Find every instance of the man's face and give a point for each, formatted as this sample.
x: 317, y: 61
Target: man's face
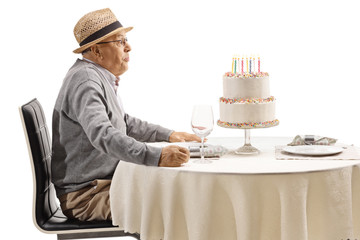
x: 115, y: 55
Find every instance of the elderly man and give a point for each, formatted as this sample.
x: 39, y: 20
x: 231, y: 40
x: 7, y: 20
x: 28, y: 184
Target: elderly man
x: 92, y: 132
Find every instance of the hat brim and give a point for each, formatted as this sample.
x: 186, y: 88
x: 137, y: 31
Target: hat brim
x: 82, y: 48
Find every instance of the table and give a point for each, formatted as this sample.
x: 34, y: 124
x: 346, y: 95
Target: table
x: 240, y: 197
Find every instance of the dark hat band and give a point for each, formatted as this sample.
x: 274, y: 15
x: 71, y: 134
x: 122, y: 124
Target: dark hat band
x: 102, y: 32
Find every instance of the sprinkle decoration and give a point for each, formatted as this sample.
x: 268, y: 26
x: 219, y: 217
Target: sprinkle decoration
x: 246, y: 75
x: 249, y: 124
x: 247, y: 100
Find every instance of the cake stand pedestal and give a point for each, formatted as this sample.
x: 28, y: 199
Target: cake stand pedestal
x: 247, y: 148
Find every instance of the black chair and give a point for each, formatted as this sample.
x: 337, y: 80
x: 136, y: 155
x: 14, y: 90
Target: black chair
x: 47, y: 214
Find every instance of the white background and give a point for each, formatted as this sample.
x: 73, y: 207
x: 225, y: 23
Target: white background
x: 180, y: 50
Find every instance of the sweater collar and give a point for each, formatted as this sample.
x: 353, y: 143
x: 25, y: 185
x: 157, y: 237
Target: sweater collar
x: 106, y: 73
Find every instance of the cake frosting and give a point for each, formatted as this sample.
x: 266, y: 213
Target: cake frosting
x: 246, y: 101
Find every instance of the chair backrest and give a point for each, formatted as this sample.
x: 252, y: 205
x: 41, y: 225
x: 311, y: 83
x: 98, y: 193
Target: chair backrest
x: 39, y: 145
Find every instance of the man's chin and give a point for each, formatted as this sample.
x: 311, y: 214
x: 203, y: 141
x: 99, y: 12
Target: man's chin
x: 122, y: 71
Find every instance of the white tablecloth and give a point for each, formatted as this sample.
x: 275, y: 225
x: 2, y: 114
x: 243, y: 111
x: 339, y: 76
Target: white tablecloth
x: 240, y: 197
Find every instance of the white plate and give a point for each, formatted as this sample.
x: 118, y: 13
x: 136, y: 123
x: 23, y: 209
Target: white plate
x: 313, y: 150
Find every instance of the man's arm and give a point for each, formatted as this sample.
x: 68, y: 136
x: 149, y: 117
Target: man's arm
x: 144, y: 131
x: 89, y: 107
x: 147, y: 132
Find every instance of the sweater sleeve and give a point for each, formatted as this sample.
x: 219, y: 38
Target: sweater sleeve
x: 89, y: 106
x: 146, y: 132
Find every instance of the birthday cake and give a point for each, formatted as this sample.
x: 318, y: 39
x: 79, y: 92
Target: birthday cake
x: 246, y: 101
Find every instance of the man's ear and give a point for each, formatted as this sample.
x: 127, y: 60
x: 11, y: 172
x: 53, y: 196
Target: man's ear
x: 96, y: 51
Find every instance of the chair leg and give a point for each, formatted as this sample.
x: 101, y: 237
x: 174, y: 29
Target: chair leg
x: 97, y: 235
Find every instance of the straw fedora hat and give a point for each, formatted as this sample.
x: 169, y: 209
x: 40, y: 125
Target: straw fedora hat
x: 95, y: 27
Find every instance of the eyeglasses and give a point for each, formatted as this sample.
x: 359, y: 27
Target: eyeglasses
x: 117, y: 42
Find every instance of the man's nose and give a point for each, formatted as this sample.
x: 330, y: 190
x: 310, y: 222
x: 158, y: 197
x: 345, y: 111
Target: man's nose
x: 127, y: 47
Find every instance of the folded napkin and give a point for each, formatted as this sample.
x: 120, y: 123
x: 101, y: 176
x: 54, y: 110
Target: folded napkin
x: 210, y: 151
x: 312, y: 140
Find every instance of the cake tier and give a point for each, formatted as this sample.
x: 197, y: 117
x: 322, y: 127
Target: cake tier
x: 245, y: 85
x: 243, y: 110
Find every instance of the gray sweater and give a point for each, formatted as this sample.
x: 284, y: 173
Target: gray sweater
x: 90, y: 135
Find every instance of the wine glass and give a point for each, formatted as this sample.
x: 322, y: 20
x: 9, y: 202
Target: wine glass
x: 202, y: 123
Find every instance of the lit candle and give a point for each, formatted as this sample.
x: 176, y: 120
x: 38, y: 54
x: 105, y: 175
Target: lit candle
x: 250, y: 65
x: 238, y: 64
x: 235, y: 65
x: 242, y: 65
x: 232, y: 66
x: 254, y: 63
x: 247, y: 64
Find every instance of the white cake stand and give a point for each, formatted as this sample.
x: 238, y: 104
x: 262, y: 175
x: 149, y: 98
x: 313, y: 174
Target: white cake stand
x: 247, y: 148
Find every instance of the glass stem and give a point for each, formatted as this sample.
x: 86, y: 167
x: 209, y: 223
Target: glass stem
x: 202, y: 148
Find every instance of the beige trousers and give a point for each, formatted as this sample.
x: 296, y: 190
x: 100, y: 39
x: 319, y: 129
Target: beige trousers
x: 89, y: 203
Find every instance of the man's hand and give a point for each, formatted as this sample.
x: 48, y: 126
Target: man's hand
x: 173, y: 156
x: 183, y: 137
